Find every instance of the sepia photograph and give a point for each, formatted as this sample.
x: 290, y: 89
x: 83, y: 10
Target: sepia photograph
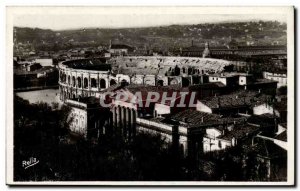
x: 193, y: 96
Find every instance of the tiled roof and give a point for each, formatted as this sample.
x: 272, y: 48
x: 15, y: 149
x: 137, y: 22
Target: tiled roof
x: 196, y: 118
x: 240, y: 131
x: 237, y: 99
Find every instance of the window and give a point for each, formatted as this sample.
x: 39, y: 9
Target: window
x: 93, y: 83
x: 102, y: 83
x: 85, y: 83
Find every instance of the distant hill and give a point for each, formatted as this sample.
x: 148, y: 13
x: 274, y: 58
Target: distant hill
x: 165, y: 37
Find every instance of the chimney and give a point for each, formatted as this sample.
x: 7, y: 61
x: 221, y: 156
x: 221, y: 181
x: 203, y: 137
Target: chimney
x: 259, y: 90
x: 202, y: 119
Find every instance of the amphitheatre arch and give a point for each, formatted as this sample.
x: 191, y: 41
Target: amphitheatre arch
x: 102, y: 83
x: 73, y: 81
x: 93, y: 83
x: 112, y: 82
x: 124, y: 82
x: 185, y: 82
x: 85, y: 83
x: 160, y: 82
x: 79, y: 82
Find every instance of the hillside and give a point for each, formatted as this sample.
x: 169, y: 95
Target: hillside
x: 166, y: 37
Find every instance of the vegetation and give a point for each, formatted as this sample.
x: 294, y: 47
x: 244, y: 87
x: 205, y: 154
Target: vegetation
x: 40, y: 131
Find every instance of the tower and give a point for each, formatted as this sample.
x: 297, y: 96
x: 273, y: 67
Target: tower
x: 206, y: 51
x: 110, y: 43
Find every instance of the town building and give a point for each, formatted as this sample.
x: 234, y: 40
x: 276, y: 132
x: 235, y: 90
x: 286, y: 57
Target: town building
x: 279, y: 76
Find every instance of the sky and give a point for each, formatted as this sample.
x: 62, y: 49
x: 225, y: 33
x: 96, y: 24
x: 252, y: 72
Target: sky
x: 77, y: 21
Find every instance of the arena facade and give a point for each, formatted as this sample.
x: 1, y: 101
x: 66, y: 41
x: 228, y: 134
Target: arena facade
x: 89, y: 77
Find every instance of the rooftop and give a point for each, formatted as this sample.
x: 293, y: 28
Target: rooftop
x: 236, y: 99
x: 240, y: 132
x: 193, y: 118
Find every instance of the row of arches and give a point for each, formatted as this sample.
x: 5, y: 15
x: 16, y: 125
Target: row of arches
x: 176, y: 71
x: 80, y: 82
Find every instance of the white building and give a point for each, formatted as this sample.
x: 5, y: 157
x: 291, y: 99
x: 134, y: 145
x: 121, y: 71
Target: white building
x: 280, y: 77
x: 44, y: 61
